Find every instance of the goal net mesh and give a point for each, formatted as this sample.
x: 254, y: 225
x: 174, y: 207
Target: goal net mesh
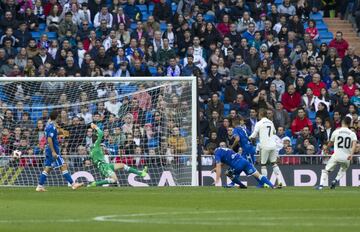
x: 145, y: 123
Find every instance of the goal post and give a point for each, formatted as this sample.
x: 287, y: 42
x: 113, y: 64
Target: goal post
x: 147, y: 121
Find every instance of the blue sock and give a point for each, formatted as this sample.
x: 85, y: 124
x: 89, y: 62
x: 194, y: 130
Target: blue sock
x: 67, y: 176
x: 264, y: 180
x: 42, y: 178
x: 236, y: 180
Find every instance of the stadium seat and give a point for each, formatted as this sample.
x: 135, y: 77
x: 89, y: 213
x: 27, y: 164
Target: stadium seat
x: 143, y: 8
x: 227, y: 107
x: 145, y: 16
x: 35, y: 34
x: 327, y: 41
x: 173, y: 7
x: 152, y: 70
x: 163, y: 26
x: 316, y: 16
x: 151, y: 8
x: 133, y: 26
x: 42, y: 26
x: 278, y: 2
x: 52, y: 35
x: 312, y: 115
x: 125, y: 89
x: 326, y: 35
x: 148, y: 117
x: 209, y: 18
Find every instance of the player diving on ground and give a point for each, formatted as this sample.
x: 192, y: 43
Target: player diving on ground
x: 106, y: 169
x: 238, y: 164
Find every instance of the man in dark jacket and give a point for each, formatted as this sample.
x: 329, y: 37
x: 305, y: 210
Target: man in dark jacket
x: 22, y: 35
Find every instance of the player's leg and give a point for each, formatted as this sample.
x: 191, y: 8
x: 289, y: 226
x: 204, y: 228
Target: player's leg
x: 273, y: 160
x: 342, y: 171
x: 249, y: 169
x: 264, y: 157
x: 111, y: 179
x: 119, y: 166
x: 42, y: 179
x: 235, y: 178
x: 66, y: 173
x: 330, y: 166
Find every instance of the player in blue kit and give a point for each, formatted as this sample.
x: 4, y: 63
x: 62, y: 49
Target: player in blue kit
x: 242, y: 138
x: 238, y: 164
x: 53, y: 158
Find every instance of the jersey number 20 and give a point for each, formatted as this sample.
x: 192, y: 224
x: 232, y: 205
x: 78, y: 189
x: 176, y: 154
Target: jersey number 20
x: 344, y: 142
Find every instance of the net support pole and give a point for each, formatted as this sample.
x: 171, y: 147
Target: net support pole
x: 194, y: 155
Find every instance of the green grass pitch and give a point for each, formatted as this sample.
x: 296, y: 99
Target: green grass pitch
x: 179, y: 209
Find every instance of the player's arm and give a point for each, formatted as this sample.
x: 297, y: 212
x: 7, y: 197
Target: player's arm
x: 353, y: 148
x: 51, y: 145
x: 100, y: 134
x: 218, y: 173
x: 255, y: 132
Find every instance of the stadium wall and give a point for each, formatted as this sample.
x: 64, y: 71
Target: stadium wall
x: 293, y: 175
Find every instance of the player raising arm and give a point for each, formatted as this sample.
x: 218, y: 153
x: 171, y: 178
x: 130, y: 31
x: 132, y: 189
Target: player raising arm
x: 53, y: 158
x: 265, y: 130
x: 106, y: 169
x: 238, y: 164
x: 344, y: 141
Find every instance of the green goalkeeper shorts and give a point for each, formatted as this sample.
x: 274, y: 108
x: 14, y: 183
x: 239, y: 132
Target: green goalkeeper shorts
x: 106, y: 170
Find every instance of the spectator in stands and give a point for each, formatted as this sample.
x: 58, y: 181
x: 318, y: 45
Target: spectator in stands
x: 232, y: 90
x: 281, y: 117
x: 162, y: 12
x: 350, y: 87
x: 240, y: 70
x: 300, y: 121
x: 340, y: 44
x: 343, y: 105
x: 133, y: 11
x: 304, y: 140
x: 291, y: 99
x: 177, y: 142
x: 286, y: 8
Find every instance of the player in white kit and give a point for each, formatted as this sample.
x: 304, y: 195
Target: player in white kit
x: 265, y: 130
x: 344, y: 141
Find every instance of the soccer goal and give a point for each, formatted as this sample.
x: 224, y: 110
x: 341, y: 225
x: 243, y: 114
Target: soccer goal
x: 147, y: 121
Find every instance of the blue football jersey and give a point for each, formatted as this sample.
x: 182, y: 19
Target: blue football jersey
x: 244, y: 142
x: 51, y: 132
x: 233, y: 160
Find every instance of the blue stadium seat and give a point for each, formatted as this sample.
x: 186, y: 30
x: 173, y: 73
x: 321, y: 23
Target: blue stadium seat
x: 125, y: 89
x: 278, y: 2
x: 209, y: 18
x: 143, y: 8
x: 42, y: 26
x: 163, y: 26
x: 152, y: 70
x: 173, y: 7
x: 326, y: 35
x: 327, y: 41
x: 148, y: 117
x: 151, y: 8
x: 52, y: 35
x: 145, y: 16
x: 35, y: 34
x: 316, y: 16
x: 227, y: 107
x: 312, y: 115
x: 133, y: 26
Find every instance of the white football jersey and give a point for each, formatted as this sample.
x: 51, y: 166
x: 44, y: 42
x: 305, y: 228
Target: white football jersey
x: 343, y: 139
x: 265, y: 129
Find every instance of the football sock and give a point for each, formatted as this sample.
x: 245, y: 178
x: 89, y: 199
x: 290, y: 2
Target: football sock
x: 264, y: 171
x: 264, y: 180
x: 276, y: 171
x: 340, y: 174
x: 67, y: 176
x: 102, y: 182
x: 324, y: 177
x: 132, y: 170
x: 42, y: 178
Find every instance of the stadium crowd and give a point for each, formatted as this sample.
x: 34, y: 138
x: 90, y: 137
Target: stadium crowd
x: 246, y: 55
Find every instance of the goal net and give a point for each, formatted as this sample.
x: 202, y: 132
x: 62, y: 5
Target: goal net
x: 146, y: 122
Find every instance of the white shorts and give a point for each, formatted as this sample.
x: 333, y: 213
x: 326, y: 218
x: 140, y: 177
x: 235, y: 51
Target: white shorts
x: 330, y: 166
x: 268, y: 155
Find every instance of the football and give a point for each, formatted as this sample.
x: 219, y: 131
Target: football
x: 16, y: 154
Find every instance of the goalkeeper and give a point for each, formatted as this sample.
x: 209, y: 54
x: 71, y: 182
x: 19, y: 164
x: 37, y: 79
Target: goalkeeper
x: 106, y: 169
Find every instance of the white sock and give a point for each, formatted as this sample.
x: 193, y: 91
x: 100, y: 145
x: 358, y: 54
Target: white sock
x: 276, y: 171
x: 264, y: 171
x: 126, y: 168
x: 340, y: 174
x: 324, y: 177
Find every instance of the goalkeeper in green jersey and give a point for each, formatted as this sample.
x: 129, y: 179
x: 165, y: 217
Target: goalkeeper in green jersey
x: 106, y: 169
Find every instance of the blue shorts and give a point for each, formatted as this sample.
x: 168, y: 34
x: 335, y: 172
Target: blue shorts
x: 245, y: 166
x: 51, y: 162
x: 249, y: 154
